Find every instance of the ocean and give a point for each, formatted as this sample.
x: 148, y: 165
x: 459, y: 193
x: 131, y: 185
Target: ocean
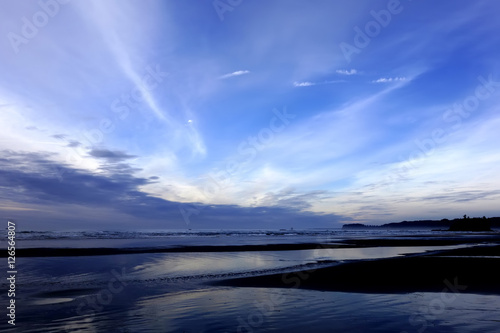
x: 170, y: 281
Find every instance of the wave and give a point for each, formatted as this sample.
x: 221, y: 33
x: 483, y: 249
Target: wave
x: 148, y: 234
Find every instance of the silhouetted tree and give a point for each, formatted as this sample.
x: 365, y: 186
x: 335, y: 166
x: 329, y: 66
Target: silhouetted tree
x: 471, y: 224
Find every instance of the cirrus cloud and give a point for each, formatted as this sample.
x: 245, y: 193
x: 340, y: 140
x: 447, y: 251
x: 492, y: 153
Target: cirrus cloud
x: 233, y: 74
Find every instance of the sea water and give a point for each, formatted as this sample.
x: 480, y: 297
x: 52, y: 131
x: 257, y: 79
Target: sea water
x: 172, y: 292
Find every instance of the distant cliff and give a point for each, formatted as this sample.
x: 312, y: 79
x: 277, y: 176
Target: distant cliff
x: 470, y: 224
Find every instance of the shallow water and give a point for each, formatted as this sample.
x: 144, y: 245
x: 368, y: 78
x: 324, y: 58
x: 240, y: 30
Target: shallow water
x: 170, y: 292
x: 278, y: 310
x: 92, y: 270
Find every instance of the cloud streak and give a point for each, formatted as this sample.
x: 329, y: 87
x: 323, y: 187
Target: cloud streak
x: 303, y: 84
x: 389, y: 79
x: 309, y: 84
x: 346, y: 72
x: 233, y: 74
x: 110, y: 156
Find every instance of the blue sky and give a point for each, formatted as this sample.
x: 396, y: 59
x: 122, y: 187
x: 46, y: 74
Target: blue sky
x: 247, y: 114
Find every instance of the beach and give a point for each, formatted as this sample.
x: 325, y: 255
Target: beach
x: 464, y: 270
x: 259, y: 282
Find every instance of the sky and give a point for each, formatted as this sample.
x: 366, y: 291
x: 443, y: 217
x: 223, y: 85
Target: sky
x: 247, y: 114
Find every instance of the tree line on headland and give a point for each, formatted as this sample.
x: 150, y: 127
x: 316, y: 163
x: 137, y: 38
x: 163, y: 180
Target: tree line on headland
x: 459, y: 224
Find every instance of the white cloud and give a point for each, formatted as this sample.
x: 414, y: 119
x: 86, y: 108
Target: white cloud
x: 303, y: 84
x: 308, y: 83
x: 389, y: 79
x: 237, y: 73
x: 346, y: 72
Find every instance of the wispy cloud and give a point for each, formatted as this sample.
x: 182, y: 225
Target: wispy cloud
x: 126, y: 47
x: 346, y: 72
x: 73, y: 144
x: 109, y: 155
x: 303, y: 84
x: 320, y: 140
x: 389, y: 79
x: 290, y: 198
x: 97, y: 14
x: 309, y: 84
x: 236, y: 73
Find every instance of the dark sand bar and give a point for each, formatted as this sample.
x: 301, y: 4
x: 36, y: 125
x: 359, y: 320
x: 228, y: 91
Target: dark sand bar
x: 99, y: 251
x: 469, y: 270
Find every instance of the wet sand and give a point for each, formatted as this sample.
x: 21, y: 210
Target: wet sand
x: 468, y: 270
